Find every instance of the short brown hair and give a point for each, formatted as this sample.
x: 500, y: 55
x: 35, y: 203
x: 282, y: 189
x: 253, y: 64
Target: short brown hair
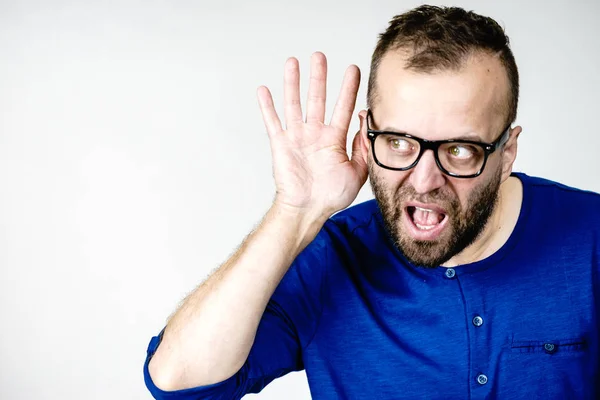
x: 441, y: 38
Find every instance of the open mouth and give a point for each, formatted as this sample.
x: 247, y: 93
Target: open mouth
x: 425, y: 223
x: 425, y: 219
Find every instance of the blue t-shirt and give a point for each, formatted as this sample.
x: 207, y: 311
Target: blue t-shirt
x: 366, y: 324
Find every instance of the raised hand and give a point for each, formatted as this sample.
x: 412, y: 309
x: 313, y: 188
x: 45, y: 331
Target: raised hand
x: 312, y: 171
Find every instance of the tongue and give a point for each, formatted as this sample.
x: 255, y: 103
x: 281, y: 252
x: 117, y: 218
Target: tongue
x: 426, y: 217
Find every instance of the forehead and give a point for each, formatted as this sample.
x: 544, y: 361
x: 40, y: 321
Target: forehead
x: 442, y: 104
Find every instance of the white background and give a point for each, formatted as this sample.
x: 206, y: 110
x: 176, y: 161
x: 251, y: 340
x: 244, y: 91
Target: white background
x: 133, y: 158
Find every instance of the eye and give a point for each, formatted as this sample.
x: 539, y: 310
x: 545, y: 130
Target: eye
x: 461, y: 151
x: 400, y: 144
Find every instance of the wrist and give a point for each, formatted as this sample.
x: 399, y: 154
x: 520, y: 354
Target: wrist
x: 302, y: 223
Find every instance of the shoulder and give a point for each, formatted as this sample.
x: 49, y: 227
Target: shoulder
x: 354, y: 219
x: 337, y: 231
x: 339, y: 234
x: 561, y: 189
x: 566, y: 204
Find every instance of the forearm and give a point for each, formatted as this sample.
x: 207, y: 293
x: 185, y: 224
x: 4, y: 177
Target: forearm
x: 209, y: 338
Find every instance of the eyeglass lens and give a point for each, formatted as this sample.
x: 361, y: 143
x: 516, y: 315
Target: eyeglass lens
x: 458, y: 158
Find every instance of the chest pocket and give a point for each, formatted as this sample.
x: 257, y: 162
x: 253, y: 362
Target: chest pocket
x: 549, y: 347
x: 547, y: 369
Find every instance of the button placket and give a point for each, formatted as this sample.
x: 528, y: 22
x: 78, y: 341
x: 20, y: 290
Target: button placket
x: 476, y: 311
x: 482, y: 379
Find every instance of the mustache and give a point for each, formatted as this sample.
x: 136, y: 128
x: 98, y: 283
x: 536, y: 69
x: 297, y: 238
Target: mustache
x: 445, y: 200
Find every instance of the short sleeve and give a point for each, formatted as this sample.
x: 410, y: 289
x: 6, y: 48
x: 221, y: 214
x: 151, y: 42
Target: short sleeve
x: 286, y: 328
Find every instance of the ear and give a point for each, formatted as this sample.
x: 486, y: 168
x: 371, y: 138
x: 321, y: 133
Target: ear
x: 509, y: 152
x: 365, y: 142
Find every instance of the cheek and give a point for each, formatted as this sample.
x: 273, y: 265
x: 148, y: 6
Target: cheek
x: 470, y: 190
x: 460, y: 189
x: 388, y: 180
x: 395, y: 181
x: 494, y: 163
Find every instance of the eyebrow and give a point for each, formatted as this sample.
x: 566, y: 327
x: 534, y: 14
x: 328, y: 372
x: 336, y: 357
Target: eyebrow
x: 468, y: 136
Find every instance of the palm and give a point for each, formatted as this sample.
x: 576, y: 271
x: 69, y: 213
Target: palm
x: 311, y: 167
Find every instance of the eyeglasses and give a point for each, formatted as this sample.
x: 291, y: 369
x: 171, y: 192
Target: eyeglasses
x: 457, y: 158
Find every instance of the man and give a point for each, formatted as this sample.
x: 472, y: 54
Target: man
x: 461, y: 280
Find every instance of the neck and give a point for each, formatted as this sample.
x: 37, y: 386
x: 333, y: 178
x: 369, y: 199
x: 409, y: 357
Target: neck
x: 499, y: 227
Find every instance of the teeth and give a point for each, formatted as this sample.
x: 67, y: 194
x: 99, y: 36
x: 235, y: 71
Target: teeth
x: 425, y: 227
x: 423, y: 209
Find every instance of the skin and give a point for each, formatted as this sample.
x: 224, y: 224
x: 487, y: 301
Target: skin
x: 444, y: 105
x: 210, y: 335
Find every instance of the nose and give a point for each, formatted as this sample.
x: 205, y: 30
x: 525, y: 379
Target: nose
x: 426, y: 176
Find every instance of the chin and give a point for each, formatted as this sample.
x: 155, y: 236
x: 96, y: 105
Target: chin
x: 424, y: 253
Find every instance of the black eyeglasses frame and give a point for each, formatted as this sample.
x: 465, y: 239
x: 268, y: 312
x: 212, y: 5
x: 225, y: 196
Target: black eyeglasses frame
x: 433, y: 145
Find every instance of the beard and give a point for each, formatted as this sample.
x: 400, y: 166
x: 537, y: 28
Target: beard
x: 463, y: 226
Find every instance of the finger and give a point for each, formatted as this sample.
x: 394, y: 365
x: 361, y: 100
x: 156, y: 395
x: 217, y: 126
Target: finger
x: 267, y: 108
x: 344, y: 106
x: 317, y: 89
x: 291, y: 92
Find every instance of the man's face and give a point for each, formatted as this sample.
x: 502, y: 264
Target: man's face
x: 432, y: 216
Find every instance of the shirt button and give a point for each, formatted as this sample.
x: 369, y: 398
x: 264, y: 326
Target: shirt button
x: 477, y: 320
x: 482, y: 379
x: 549, y: 348
x: 450, y: 273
